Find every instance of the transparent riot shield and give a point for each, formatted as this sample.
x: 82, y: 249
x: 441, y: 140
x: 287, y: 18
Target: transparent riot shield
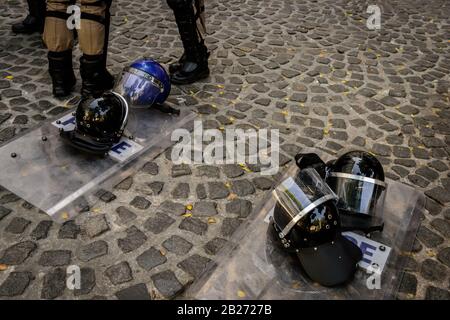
x: 253, y: 266
x: 62, y: 181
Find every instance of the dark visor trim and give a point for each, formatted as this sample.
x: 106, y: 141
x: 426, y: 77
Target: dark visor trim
x: 356, y: 177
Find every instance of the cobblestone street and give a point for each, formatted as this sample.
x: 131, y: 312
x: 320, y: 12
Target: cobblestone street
x: 309, y: 68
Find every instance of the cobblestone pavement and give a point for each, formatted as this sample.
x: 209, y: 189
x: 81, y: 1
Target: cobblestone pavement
x: 308, y: 68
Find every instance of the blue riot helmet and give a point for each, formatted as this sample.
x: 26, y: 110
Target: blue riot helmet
x: 144, y: 83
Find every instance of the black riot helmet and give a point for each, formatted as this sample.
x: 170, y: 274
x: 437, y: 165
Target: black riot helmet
x: 307, y: 223
x: 100, y: 123
x: 357, y: 178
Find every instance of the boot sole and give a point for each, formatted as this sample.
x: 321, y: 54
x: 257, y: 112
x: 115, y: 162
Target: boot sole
x: 65, y: 93
x: 203, y: 75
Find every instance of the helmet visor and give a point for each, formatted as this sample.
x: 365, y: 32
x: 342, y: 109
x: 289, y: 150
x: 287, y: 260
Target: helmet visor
x: 358, y: 194
x: 139, y: 88
x: 301, y: 195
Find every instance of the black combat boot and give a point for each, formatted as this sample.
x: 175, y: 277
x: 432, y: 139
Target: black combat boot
x: 193, y: 65
x: 96, y: 78
x: 176, y: 66
x: 34, y: 22
x: 61, y: 72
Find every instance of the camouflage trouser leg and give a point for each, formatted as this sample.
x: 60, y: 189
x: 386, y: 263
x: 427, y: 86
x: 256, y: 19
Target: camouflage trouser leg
x: 57, y: 36
x: 92, y: 32
x: 94, y: 22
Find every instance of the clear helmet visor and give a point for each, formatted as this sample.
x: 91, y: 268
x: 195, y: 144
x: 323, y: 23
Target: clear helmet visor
x: 358, y: 194
x: 138, y: 88
x: 299, y: 195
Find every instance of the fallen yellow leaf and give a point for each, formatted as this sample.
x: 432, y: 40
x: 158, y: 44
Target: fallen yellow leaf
x: 241, y: 294
x: 296, y: 285
x: 187, y: 215
x: 3, y: 267
x: 232, y: 196
x: 431, y: 253
x: 189, y: 207
x: 9, y: 77
x: 163, y: 253
x: 211, y: 220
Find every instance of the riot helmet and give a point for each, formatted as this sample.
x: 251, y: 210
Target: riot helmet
x: 357, y: 178
x: 307, y: 223
x: 99, y: 123
x: 144, y: 83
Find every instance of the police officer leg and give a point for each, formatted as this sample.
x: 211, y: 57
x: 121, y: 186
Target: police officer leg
x: 93, y: 40
x: 193, y: 65
x: 200, y: 7
x: 59, y: 41
x: 34, y: 22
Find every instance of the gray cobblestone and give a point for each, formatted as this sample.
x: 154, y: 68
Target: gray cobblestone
x: 434, y: 293
x: 195, y: 265
x: 96, y: 225
x: 93, y: 250
x: 17, y: 225
x: 242, y: 187
x: 217, y: 190
x: 194, y: 225
x: 150, y: 259
x: 119, y: 273
x: 136, y: 292
x: 159, y: 223
x: 16, y: 284
x: 177, y: 245
x: 54, y: 284
x: 125, y: 214
x: 88, y: 281
x: 134, y: 239
x: 167, y: 283
x: 55, y: 258
x: 69, y: 230
x: 204, y: 209
x: 433, y: 271
x: 41, y: 230
x: 18, y: 253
